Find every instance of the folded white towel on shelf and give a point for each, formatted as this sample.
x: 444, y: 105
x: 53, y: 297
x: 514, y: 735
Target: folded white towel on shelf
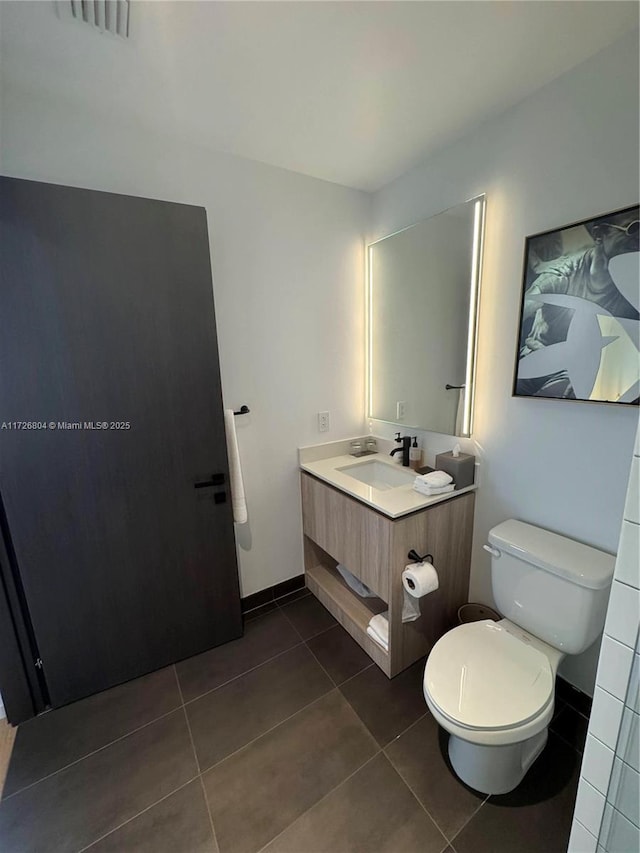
x: 428, y: 491
x: 435, y: 478
x: 377, y: 639
x: 379, y: 628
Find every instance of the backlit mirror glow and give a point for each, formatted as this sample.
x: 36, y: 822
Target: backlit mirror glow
x: 423, y: 289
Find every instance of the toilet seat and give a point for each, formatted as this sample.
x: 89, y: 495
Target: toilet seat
x: 481, y: 678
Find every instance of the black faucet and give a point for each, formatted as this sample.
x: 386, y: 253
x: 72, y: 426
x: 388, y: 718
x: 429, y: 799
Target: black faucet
x: 406, y: 444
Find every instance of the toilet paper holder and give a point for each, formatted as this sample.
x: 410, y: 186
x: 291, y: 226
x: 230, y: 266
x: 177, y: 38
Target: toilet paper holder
x: 416, y: 558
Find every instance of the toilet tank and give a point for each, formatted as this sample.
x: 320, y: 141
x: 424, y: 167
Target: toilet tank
x: 553, y: 587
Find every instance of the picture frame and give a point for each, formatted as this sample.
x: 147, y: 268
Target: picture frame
x: 579, y: 325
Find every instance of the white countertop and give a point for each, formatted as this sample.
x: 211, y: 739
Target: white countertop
x: 393, y: 502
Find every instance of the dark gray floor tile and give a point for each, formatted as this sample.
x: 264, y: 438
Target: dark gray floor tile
x: 340, y: 655
x: 259, y: 791
x: 372, y: 811
x: 420, y: 757
x: 51, y: 741
x: 308, y: 616
x: 178, y: 824
x: 387, y: 707
x: 536, y: 817
x: 228, y: 718
x: 571, y: 726
x: 263, y: 638
x: 78, y: 805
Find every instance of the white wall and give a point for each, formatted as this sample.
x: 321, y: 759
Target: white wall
x: 567, y: 152
x: 287, y: 258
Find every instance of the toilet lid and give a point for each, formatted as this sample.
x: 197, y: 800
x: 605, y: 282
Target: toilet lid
x: 481, y: 676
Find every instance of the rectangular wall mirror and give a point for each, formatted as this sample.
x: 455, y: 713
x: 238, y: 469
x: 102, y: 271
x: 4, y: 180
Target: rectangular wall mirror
x: 423, y: 288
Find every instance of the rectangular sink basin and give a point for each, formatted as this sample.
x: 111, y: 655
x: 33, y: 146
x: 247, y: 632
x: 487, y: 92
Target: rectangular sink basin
x: 378, y: 475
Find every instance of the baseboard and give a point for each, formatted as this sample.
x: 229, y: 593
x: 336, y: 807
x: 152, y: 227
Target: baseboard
x: 264, y: 596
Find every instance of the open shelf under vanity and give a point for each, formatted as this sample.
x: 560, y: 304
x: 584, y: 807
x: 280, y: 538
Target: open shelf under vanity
x: 351, y: 611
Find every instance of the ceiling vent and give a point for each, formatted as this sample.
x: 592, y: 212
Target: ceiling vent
x: 107, y: 16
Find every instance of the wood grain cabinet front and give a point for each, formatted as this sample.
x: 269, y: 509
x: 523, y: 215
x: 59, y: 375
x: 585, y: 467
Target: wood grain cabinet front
x: 340, y: 529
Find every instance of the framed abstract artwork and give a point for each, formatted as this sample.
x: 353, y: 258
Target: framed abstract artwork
x: 579, y: 331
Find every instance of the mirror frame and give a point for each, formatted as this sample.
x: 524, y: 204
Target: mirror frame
x: 479, y: 216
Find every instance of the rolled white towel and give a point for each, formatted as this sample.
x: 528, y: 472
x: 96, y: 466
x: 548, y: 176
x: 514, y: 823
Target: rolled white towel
x: 379, y: 624
x: 378, y: 639
x: 429, y: 491
x: 435, y: 478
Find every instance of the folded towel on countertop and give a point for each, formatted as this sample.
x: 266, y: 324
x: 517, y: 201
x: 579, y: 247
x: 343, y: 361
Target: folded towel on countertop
x: 435, y: 479
x: 429, y: 491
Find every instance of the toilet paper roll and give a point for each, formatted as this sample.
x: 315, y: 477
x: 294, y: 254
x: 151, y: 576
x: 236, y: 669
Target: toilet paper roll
x: 420, y: 579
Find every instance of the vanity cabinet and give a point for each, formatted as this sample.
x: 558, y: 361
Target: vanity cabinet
x: 340, y: 529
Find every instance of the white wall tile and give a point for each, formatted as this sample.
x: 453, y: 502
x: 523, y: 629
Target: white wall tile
x: 624, y: 791
x: 618, y: 835
x: 628, y: 561
x: 581, y: 840
x: 614, y: 667
x: 606, y: 714
x: 630, y: 738
x: 589, y: 807
x: 633, y: 692
x: 623, y: 613
x: 632, y: 504
x: 597, y: 764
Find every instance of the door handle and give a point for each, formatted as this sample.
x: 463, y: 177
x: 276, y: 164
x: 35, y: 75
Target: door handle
x: 216, y: 480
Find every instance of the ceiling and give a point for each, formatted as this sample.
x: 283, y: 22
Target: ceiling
x: 350, y: 92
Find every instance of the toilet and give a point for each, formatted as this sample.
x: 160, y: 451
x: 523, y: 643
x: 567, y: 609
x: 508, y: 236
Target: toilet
x: 491, y: 684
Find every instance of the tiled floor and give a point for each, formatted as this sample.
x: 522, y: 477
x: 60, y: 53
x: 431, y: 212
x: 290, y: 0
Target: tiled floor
x: 288, y: 739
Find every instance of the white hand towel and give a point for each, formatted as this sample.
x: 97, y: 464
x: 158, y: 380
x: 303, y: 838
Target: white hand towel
x: 378, y: 639
x: 380, y: 626
x: 236, y: 485
x: 429, y: 491
x: 435, y: 478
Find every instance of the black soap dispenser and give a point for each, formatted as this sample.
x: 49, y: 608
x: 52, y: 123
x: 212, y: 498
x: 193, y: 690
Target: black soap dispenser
x: 415, y: 454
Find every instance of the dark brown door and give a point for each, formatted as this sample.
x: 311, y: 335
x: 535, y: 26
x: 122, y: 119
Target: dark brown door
x: 111, y: 412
